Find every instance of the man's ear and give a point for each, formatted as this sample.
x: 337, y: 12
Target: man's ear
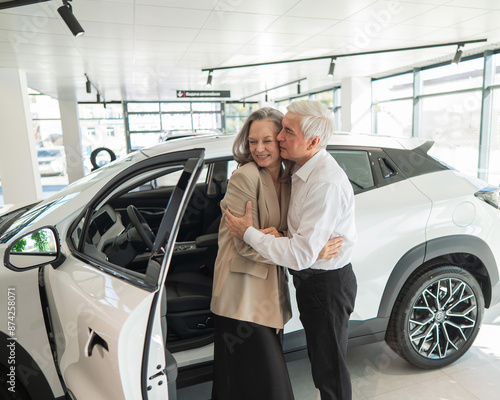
x: 313, y: 143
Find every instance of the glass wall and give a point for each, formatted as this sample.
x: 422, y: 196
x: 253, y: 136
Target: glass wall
x: 494, y: 151
x: 154, y: 122
x: 101, y: 127
x: 331, y: 98
x: 453, y: 122
x: 448, y: 110
x: 393, y: 105
x: 236, y: 114
x: 451, y: 112
x: 452, y: 77
x: 49, y: 140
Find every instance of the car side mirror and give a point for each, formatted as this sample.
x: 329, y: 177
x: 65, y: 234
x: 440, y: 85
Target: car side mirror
x: 33, y: 250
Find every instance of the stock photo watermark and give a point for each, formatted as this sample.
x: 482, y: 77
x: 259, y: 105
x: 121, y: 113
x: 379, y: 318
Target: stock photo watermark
x: 380, y: 20
x: 11, y: 339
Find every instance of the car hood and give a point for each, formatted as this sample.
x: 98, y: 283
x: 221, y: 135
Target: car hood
x: 58, y: 209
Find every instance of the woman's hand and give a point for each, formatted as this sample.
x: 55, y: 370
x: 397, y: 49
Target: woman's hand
x: 331, y: 248
x: 271, y: 231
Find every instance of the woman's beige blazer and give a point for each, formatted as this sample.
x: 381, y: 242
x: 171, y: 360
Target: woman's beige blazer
x: 247, y: 286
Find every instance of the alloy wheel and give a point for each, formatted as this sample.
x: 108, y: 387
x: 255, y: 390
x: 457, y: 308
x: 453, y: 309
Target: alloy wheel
x: 443, y: 318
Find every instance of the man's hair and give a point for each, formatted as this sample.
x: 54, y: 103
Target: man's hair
x: 317, y: 120
x: 241, y: 148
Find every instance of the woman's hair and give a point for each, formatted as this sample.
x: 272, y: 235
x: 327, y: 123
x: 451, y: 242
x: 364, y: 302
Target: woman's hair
x: 241, y: 147
x: 317, y: 120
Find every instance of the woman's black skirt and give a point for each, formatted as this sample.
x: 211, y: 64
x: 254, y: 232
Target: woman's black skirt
x: 248, y: 362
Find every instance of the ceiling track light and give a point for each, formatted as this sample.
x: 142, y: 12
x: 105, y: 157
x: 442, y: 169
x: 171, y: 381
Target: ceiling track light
x: 298, y: 87
x: 266, y: 98
x: 98, y: 97
x: 340, y: 55
x: 458, y: 54
x: 209, y: 79
x: 332, y: 67
x: 66, y: 13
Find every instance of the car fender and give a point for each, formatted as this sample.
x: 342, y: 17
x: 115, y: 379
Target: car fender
x: 432, y: 249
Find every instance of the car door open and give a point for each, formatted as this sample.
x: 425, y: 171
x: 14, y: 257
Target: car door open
x: 106, y: 318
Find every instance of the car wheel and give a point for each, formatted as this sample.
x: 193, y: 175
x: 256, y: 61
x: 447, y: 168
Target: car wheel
x: 436, y: 316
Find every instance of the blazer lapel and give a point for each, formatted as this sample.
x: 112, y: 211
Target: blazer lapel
x: 271, y: 199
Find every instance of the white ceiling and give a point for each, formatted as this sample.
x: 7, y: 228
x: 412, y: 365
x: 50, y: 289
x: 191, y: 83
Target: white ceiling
x: 148, y: 49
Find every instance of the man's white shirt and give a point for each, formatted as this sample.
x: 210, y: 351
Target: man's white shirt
x: 321, y: 205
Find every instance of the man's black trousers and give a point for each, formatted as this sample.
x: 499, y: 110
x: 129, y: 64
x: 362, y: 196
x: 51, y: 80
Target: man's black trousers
x: 326, y: 300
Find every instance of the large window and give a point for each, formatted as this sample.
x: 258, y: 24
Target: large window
x: 453, y: 122
x: 451, y: 112
x: 331, y: 98
x: 101, y: 127
x: 236, y: 115
x: 452, y: 77
x: 151, y: 123
x: 494, y: 150
x: 393, y: 105
x: 448, y: 109
x: 49, y: 141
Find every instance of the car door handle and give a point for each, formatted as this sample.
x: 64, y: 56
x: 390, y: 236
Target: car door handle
x: 94, y: 340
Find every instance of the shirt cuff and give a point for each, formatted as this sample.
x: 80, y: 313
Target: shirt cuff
x: 251, y: 235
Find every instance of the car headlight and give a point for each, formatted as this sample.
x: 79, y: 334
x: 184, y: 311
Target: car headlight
x: 490, y: 195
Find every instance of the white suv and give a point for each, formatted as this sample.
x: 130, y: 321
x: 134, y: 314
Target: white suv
x: 105, y: 287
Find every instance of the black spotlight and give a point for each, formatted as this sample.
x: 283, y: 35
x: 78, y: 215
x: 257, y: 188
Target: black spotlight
x: 458, y: 54
x: 88, y: 85
x: 332, y: 67
x: 209, y: 79
x: 66, y: 13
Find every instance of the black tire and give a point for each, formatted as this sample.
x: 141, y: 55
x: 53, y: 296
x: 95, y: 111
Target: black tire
x: 432, y: 331
x: 6, y: 394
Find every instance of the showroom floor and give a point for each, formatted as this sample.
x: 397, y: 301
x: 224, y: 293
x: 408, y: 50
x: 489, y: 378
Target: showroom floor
x: 378, y: 373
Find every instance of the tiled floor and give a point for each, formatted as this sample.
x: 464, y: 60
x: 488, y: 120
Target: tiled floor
x: 379, y: 374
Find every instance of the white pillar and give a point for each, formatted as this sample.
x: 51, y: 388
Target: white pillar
x: 70, y: 122
x: 356, y: 104
x: 18, y: 157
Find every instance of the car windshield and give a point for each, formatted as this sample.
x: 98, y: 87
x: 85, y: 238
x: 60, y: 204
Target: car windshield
x: 90, y: 184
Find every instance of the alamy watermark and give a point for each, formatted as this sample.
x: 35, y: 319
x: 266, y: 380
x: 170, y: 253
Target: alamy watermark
x: 11, y: 339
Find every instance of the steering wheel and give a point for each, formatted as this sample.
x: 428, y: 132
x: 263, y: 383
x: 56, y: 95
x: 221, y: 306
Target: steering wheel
x: 142, y: 227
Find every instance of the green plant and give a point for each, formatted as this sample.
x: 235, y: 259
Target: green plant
x: 41, y: 241
x: 19, y: 246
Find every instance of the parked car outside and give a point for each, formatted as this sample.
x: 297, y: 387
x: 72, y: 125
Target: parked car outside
x: 106, y: 285
x: 51, y: 161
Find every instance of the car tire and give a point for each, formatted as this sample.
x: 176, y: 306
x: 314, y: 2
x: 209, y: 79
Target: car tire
x: 436, y: 316
x: 6, y: 394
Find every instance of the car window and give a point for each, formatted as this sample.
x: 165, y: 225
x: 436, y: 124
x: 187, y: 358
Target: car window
x: 356, y: 164
x: 171, y: 179
x: 111, y: 237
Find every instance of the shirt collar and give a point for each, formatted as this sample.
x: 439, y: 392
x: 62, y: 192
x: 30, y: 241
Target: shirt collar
x: 305, y: 170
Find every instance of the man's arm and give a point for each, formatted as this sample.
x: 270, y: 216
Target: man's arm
x: 319, y: 215
x: 238, y: 226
